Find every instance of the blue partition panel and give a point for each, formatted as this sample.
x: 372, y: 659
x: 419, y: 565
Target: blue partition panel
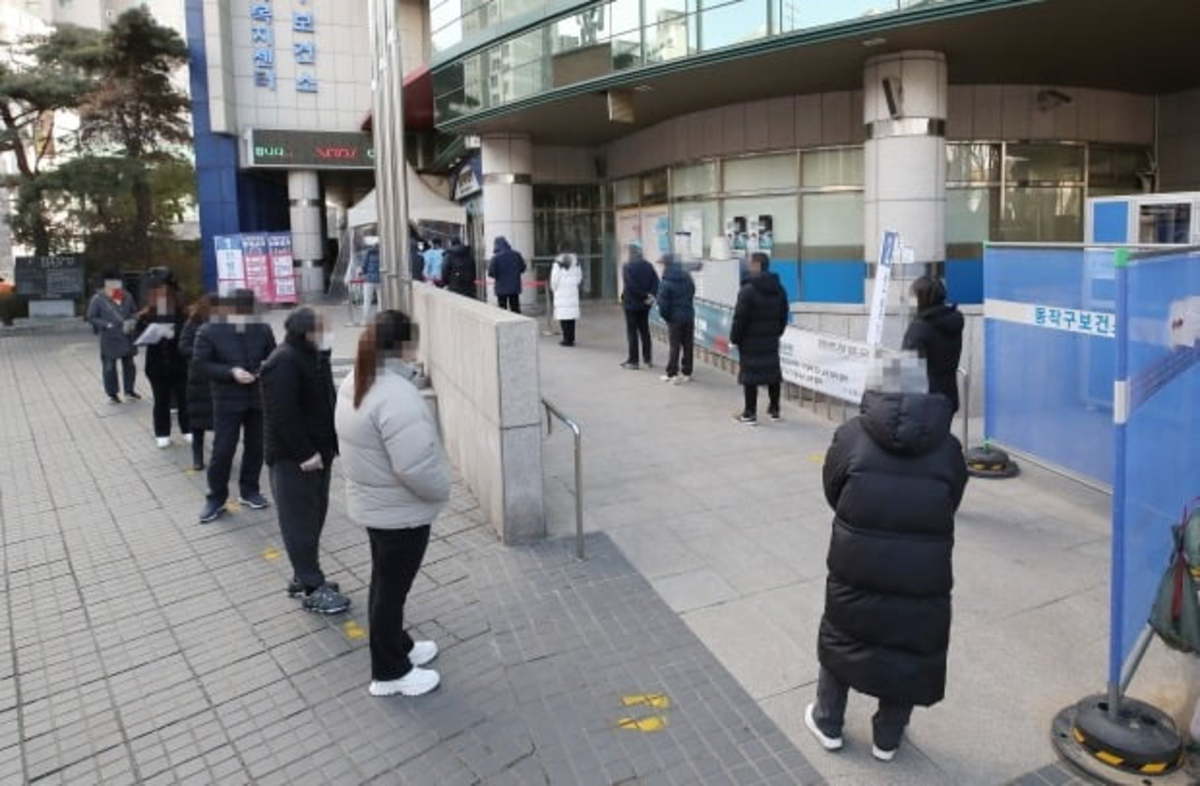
x: 964, y: 280
x: 834, y: 281
x: 788, y: 271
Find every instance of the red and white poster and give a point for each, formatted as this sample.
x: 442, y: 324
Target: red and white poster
x: 257, y: 266
x: 282, y: 267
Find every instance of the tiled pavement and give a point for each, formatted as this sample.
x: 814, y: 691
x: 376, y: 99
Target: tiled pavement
x: 137, y: 646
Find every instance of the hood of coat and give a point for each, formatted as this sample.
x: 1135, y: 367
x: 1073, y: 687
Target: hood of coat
x: 299, y: 326
x: 906, y: 424
x: 766, y: 283
x: 501, y: 245
x: 675, y: 272
x: 944, y: 318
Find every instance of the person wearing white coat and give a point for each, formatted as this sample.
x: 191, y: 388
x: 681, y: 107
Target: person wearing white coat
x: 397, y: 482
x: 565, y: 279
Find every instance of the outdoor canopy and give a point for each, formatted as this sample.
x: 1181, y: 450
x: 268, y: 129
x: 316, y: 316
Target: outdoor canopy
x: 424, y: 204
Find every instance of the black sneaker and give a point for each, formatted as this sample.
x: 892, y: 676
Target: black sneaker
x: 254, y: 501
x: 630, y: 366
x: 133, y: 396
x: 114, y: 399
x: 295, y: 589
x: 326, y: 600
x: 775, y: 416
x: 746, y: 420
x: 212, y: 511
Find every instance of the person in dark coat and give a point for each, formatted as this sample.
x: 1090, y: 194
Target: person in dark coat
x: 111, y: 315
x: 936, y: 334
x: 416, y: 256
x: 759, y: 320
x: 894, y: 476
x: 299, y: 447
x: 165, y: 368
x: 459, y: 270
x: 506, y: 268
x: 676, y: 305
x: 230, y: 353
x: 639, y: 288
x: 199, y: 389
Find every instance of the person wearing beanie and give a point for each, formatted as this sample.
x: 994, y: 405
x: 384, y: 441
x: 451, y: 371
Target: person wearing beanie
x: 299, y: 447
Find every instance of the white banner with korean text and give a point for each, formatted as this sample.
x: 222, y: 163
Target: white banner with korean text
x: 1102, y: 324
x: 828, y: 364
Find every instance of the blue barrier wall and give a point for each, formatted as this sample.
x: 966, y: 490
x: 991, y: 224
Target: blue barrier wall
x: 835, y: 281
x: 1049, y: 333
x: 964, y: 280
x: 1158, y: 445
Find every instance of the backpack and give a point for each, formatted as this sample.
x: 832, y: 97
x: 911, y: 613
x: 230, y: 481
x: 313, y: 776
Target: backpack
x: 1175, y: 616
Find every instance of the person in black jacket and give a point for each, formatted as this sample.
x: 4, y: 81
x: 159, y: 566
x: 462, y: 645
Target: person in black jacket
x: 300, y: 445
x: 459, y: 270
x: 640, y: 285
x: 894, y: 476
x: 506, y: 268
x: 936, y: 334
x: 759, y: 320
x: 676, y: 305
x: 165, y: 367
x: 199, y: 389
x: 229, y: 353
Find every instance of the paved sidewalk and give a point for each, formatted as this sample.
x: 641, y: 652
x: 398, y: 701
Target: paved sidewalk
x: 137, y: 646
x: 731, y: 527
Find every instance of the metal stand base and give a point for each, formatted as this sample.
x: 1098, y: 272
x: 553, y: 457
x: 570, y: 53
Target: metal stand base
x: 986, y: 461
x: 1140, y: 747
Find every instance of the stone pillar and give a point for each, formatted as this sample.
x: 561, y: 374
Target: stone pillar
x: 904, y: 97
x: 507, y: 165
x: 308, y: 241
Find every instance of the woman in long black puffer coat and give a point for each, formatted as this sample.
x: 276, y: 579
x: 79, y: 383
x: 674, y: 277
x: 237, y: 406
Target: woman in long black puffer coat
x: 894, y: 476
x: 199, y: 390
x: 759, y: 319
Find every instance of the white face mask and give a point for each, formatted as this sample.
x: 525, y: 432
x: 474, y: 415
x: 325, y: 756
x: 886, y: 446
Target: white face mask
x: 326, y: 342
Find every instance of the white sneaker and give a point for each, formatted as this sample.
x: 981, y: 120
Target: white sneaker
x: 417, y: 682
x: 881, y: 754
x: 828, y: 743
x: 422, y: 652
x: 683, y: 379
x: 666, y: 378
x: 187, y: 438
x: 163, y: 442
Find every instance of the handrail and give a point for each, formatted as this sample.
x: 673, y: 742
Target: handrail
x: 554, y: 412
x: 966, y: 408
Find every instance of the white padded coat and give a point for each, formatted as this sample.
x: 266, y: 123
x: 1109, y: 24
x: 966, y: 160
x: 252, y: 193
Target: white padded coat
x: 564, y: 283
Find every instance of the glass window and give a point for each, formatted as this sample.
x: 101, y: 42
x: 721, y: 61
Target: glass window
x: 761, y: 172
x: 968, y: 220
x: 1052, y: 215
x: 972, y: 163
x: 802, y: 14
x: 769, y: 223
x: 1044, y: 164
x: 1164, y: 223
x: 586, y: 28
x: 626, y: 50
x: 694, y: 180
x: 448, y: 36
x: 513, y: 8
x: 626, y: 15
x: 627, y: 191
x: 525, y: 48
x: 1116, y: 169
x: 659, y: 11
x: 702, y: 222
x: 445, y: 13
x: 654, y: 187
x: 732, y: 23
x: 448, y: 79
x: 667, y: 41
x: 832, y: 226
x: 833, y: 168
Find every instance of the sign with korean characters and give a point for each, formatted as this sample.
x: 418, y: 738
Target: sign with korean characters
x: 310, y: 149
x: 1102, y: 324
x: 826, y: 363
x: 883, y: 282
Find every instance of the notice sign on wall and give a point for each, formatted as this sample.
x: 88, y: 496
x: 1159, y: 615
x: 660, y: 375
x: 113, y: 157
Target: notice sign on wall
x: 825, y: 363
x: 283, y: 270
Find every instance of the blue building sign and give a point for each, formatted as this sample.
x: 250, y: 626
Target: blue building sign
x: 261, y: 12
x: 306, y: 83
x: 302, y: 22
x: 305, y: 51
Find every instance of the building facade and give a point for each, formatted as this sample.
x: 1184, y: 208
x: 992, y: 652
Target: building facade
x: 717, y: 127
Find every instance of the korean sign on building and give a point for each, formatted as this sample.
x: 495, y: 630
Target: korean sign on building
x: 310, y: 149
x: 263, y: 50
x: 1074, y: 320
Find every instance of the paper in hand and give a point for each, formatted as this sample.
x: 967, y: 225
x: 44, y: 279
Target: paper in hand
x: 154, y: 333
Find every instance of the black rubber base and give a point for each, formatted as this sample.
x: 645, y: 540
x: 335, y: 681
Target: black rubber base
x: 986, y: 461
x: 1141, y: 747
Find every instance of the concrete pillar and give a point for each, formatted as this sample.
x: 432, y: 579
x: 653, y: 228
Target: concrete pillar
x: 308, y: 242
x: 904, y: 97
x: 507, y: 166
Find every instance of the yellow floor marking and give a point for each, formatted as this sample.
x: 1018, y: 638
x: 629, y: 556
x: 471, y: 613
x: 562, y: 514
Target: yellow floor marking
x: 190, y: 471
x: 271, y: 553
x: 353, y: 630
x: 816, y: 458
x: 651, y: 724
x: 658, y: 701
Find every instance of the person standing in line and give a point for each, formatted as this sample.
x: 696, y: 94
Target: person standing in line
x: 565, y: 279
x: 111, y: 315
x: 397, y: 482
x: 459, y: 269
x: 759, y: 320
x: 416, y: 255
x: 936, y: 335
x: 230, y: 353
x: 165, y: 367
x: 299, y: 447
x: 370, y: 277
x: 506, y: 269
x: 676, y: 305
x: 886, y: 627
x: 435, y: 259
x: 199, y: 389
x: 640, y: 287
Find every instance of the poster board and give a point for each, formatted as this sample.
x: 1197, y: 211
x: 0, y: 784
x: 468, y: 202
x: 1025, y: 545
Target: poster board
x: 49, y: 278
x: 257, y: 267
x: 282, y: 267
x: 231, y: 272
x: 260, y: 262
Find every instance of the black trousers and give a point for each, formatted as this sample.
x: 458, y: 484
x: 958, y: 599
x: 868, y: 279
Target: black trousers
x: 568, y: 329
x: 128, y: 374
x: 396, y: 556
x: 889, y: 721
x: 682, y: 337
x: 198, y: 447
x: 510, y: 302
x: 226, y: 425
x: 168, y: 390
x: 637, y: 325
x: 302, y: 500
x: 752, y: 398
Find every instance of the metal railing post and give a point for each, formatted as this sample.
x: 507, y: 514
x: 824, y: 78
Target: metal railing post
x: 551, y: 413
x: 966, y: 408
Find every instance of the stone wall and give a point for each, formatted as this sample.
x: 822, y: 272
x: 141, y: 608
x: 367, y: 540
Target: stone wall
x: 483, y: 362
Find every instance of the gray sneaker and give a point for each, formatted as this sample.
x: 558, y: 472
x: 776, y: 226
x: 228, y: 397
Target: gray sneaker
x: 326, y: 600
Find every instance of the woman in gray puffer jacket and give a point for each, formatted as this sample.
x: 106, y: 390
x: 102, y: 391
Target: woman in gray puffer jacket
x: 397, y: 482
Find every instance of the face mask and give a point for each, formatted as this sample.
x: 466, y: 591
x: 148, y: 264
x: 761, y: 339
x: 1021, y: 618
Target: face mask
x: 326, y: 342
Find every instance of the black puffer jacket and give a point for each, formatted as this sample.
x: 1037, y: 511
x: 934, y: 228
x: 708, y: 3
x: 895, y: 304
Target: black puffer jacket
x: 936, y: 335
x: 298, y: 398
x: 199, y: 389
x: 221, y: 347
x: 758, y: 321
x: 894, y: 476
x: 459, y: 271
